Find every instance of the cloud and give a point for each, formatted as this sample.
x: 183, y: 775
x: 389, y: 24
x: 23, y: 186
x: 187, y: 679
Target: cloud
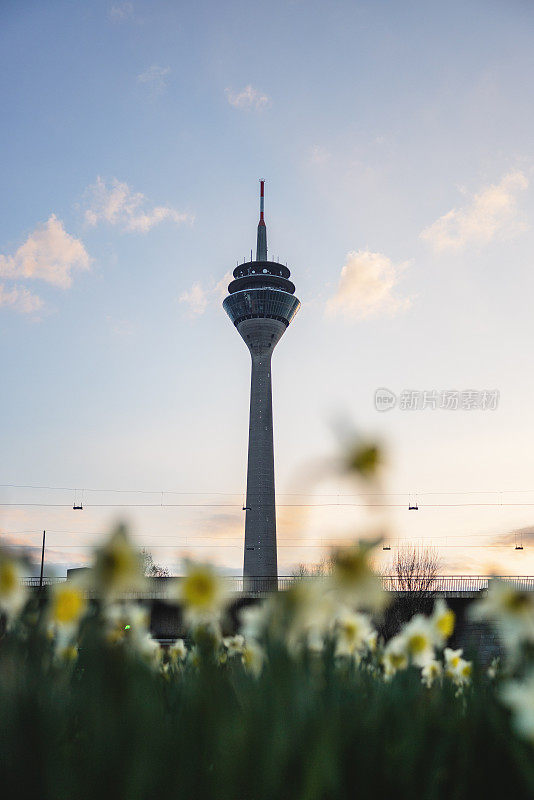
x: 49, y: 254
x: 121, y: 11
x: 196, y: 299
x: 366, y: 287
x: 20, y: 299
x: 491, y: 215
x: 155, y: 78
x: 319, y: 155
x: 248, y: 98
x: 117, y: 204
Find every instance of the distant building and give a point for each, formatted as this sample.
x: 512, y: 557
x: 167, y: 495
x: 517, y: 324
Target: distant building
x: 261, y: 304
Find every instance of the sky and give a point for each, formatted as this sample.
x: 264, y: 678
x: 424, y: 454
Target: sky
x: 396, y: 143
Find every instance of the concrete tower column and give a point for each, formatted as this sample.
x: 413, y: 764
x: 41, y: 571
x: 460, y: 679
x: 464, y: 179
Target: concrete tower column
x: 260, y: 562
x: 261, y: 304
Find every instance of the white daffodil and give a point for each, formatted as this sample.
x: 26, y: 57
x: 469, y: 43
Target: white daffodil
x: 66, y: 653
x: 442, y: 621
x: 118, y: 568
x: 494, y: 668
x: 254, y: 619
x: 203, y: 593
x: 395, y: 656
x: 511, y: 609
x: 178, y: 651
x: 351, y: 630
x: 371, y: 641
x: 67, y: 604
x: 519, y: 697
x: 353, y: 580
x: 419, y: 637
x: 126, y: 622
x: 234, y: 644
x: 431, y: 672
x: 13, y: 594
x: 149, y: 650
x: 253, y: 657
x: 456, y: 668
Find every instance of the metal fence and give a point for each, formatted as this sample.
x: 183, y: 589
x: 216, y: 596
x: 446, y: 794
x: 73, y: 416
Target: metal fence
x: 448, y: 584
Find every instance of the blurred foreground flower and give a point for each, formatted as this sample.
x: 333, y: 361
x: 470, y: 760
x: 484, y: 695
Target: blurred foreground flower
x: 519, y: 697
x: 431, y: 672
x: 118, y: 567
x: 203, y: 593
x: 253, y: 658
x: 511, y: 608
x: 442, y: 621
x: 456, y: 668
x: 354, y: 581
x: 13, y: 594
x: 67, y: 604
x: 418, y: 635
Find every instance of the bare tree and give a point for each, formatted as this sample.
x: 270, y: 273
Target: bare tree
x: 412, y: 577
x: 317, y: 570
x: 150, y: 568
x: 415, y: 569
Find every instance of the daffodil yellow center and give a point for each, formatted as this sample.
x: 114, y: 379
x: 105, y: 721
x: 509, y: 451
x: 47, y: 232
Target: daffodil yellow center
x: 68, y: 606
x: 516, y: 602
x: 445, y: 624
x: 199, y: 590
x: 417, y: 643
x: 8, y: 578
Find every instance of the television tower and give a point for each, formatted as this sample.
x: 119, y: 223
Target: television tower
x: 261, y: 304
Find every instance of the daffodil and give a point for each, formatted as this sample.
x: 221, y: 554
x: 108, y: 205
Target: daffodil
x: 126, y: 622
x: 419, y: 639
x: 203, y: 592
x: 352, y: 630
x: 431, y: 672
x: 234, y: 644
x: 13, y: 594
x: 395, y: 656
x: 442, y: 621
x: 149, y: 650
x: 66, y: 653
x: 354, y: 581
x: 67, y: 605
x: 253, y: 657
x: 511, y: 609
x: 456, y: 668
x: 118, y: 568
x: 519, y: 697
x: 178, y: 651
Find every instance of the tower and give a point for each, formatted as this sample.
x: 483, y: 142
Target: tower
x: 261, y: 304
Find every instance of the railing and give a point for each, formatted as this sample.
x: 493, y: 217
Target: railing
x: 158, y: 587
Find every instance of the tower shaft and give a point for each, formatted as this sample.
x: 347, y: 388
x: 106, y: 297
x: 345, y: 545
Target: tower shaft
x: 260, y: 563
x: 261, y: 303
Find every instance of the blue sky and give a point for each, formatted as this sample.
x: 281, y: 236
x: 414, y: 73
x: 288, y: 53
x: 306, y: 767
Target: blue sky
x: 396, y: 142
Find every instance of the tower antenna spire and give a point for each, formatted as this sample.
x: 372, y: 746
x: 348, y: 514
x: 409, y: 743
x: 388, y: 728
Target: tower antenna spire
x: 261, y: 247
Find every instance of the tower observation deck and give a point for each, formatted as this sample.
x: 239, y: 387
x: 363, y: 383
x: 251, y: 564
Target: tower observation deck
x: 261, y: 303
